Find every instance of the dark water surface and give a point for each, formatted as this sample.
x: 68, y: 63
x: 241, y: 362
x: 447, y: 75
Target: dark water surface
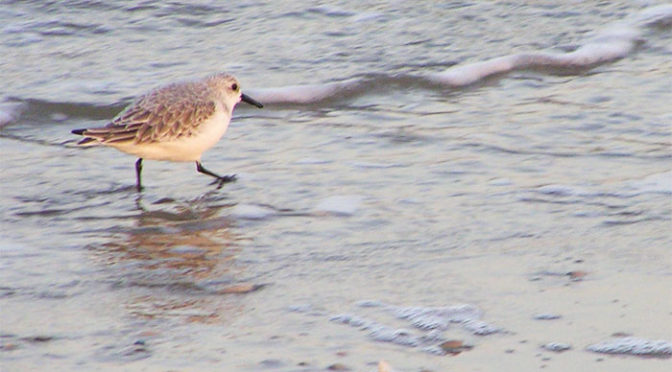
x: 526, y: 193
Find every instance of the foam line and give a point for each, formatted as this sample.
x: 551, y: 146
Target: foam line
x: 302, y: 94
x: 9, y: 112
x: 655, y: 15
x: 610, y: 44
x: 614, y: 43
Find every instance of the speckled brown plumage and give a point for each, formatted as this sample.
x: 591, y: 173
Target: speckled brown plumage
x: 168, y: 112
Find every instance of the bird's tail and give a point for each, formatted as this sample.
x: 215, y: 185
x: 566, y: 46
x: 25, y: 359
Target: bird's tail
x: 88, y: 141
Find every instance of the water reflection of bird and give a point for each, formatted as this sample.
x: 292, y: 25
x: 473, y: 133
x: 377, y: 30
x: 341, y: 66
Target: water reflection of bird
x: 189, y: 237
x: 175, y: 259
x: 177, y: 122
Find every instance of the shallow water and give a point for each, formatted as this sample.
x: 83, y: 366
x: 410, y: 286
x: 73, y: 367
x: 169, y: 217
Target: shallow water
x: 530, y: 192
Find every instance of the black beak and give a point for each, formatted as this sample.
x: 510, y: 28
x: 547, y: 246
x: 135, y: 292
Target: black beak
x: 250, y: 100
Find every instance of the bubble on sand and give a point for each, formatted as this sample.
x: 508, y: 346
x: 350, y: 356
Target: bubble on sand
x: 547, y: 316
x: 480, y: 328
x: 300, y: 308
x: 369, y: 303
x: 557, y: 347
x: 429, y: 324
x: 438, y: 317
x: 396, y: 336
x: 634, y: 346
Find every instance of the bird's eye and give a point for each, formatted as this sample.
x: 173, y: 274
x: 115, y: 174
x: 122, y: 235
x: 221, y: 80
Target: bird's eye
x: 234, y: 87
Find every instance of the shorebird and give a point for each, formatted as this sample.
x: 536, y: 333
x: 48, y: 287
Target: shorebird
x: 176, y: 122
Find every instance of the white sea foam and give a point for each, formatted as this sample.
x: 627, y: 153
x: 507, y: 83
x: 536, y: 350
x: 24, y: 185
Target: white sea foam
x: 370, y: 303
x: 5, y: 118
x: 312, y: 161
x: 633, y: 346
x: 340, y: 204
x: 660, y: 183
x: 437, y: 317
x: 429, y: 324
x: 500, y: 182
x: 9, y: 112
x: 613, y: 42
x: 480, y: 328
x: 380, y: 332
x: 300, y: 308
x: 302, y: 93
x: 656, y: 15
x: 468, y: 74
x: 657, y: 183
x: 369, y: 165
x: 557, y: 347
x: 252, y: 212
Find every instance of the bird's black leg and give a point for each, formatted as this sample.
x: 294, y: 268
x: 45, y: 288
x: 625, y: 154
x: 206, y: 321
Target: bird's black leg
x: 219, y: 179
x: 138, y: 171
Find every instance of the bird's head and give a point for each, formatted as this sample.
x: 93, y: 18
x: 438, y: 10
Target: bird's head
x: 229, y: 88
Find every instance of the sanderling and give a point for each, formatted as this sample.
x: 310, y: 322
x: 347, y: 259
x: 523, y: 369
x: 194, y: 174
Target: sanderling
x: 176, y: 122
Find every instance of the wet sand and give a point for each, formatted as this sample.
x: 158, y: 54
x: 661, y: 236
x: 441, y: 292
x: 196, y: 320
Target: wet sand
x: 515, y: 224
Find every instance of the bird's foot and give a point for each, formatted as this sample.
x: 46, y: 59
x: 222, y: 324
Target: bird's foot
x: 221, y: 180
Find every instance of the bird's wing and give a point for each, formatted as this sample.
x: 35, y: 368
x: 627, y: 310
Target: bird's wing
x: 171, y: 112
